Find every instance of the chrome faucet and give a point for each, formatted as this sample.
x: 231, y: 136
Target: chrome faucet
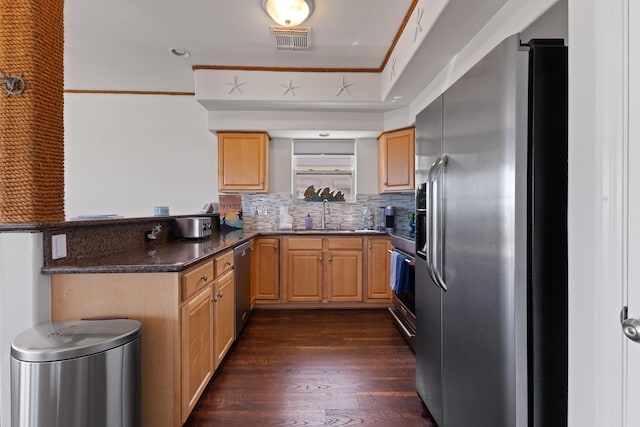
x: 325, y: 211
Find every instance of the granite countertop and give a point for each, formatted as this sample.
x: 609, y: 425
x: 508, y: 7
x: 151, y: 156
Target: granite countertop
x: 169, y: 256
x: 177, y: 255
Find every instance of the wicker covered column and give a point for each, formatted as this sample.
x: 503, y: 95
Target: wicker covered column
x: 31, y: 124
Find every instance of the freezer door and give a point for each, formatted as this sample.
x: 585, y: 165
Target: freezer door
x: 428, y: 295
x: 484, y: 137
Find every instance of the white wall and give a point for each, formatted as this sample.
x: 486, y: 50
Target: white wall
x: 280, y: 166
x: 367, y: 164
x: 25, y: 301
x: 125, y: 154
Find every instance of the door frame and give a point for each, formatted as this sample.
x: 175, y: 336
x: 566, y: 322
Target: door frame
x: 596, y: 214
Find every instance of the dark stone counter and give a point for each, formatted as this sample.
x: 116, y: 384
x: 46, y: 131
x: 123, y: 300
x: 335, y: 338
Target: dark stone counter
x: 165, y: 256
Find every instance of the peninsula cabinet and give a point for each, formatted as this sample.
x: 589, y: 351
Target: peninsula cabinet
x: 188, y: 325
x: 265, y: 274
x: 224, y: 315
x: 396, y: 161
x: 243, y: 162
x: 197, y: 334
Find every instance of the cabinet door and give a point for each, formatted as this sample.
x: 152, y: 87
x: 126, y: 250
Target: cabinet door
x: 396, y: 160
x: 266, y: 269
x: 344, y: 273
x: 225, y: 315
x: 197, y: 348
x: 304, y: 275
x: 243, y: 162
x: 378, y: 270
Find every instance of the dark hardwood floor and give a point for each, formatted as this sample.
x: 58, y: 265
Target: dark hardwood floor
x: 315, y: 368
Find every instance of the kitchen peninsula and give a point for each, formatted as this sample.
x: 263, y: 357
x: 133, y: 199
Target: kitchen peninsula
x: 183, y: 292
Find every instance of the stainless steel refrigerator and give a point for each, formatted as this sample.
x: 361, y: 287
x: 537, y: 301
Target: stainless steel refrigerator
x: 491, y: 242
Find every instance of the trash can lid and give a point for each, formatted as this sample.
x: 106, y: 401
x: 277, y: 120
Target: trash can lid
x: 51, y: 342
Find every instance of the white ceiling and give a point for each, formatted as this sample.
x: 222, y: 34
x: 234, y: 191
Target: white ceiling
x: 124, y: 44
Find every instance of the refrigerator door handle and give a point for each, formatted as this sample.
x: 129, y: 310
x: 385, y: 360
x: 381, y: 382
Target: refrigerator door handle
x: 437, y: 248
x: 432, y: 228
x: 429, y: 221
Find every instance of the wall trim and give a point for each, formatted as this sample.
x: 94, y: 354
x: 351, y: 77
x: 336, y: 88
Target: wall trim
x: 128, y: 92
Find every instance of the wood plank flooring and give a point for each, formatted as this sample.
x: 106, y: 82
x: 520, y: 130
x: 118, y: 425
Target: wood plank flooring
x: 315, y: 368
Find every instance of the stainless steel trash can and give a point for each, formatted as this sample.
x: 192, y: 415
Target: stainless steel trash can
x: 77, y: 374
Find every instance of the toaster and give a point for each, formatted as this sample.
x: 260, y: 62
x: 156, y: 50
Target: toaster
x: 193, y: 227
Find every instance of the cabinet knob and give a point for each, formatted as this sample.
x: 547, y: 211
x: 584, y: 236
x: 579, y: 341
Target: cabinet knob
x: 228, y: 263
x: 214, y: 299
x: 205, y: 278
x: 320, y: 259
x: 370, y: 247
x: 220, y: 294
x: 275, y: 246
x: 329, y: 259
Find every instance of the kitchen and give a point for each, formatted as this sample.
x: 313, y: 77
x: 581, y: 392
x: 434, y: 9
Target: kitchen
x: 170, y: 169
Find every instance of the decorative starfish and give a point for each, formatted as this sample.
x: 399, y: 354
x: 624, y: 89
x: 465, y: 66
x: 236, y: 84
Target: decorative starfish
x: 235, y: 85
x: 289, y: 88
x: 393, y: 68
x: 418, y: 23
x: 344, y: 88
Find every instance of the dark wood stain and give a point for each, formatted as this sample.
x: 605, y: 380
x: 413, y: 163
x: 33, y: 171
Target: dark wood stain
x: 315, y: 368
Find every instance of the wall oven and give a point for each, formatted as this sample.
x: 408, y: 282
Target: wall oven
x: 403, y: 307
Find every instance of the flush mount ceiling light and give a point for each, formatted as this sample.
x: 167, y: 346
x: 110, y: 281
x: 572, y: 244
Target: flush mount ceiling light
x: 288, y: 13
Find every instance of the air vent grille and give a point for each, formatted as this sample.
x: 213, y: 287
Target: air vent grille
x: 298, y: 38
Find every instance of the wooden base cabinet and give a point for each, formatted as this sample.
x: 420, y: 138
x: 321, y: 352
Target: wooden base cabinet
x: 344, y: 269
x: 304, y: 275
x: 323, y: 269
x: 379, y: 266
x: 197, y: 348
x: 188, y: 326
x: 224, y: 320
x: 265, y: 274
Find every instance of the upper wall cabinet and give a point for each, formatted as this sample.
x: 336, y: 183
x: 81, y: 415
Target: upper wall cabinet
x: 243, y: 162
x: 396, y: 151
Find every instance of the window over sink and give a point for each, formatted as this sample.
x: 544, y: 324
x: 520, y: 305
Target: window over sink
x: 324, y: 167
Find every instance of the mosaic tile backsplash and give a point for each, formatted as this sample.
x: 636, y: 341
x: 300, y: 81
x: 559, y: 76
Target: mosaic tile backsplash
x: 261, y: 212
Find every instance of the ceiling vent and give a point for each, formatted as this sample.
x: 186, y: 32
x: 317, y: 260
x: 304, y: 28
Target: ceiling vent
x: 297, y: 38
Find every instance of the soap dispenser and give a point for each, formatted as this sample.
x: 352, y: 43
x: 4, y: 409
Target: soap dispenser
x: 308, y: 222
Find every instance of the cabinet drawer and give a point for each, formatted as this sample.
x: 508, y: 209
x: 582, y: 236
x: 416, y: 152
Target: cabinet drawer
x: 196, y: 278
x: 224, y: 262
x: 344, y: 243
x: 305, y: 243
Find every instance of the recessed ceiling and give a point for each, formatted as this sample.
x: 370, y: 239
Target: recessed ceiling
x: 124, y: 44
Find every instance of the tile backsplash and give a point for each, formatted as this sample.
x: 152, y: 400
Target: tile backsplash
x: 261, y: 212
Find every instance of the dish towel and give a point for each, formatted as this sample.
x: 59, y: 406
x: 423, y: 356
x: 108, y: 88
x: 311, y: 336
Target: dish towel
x: 392, y: 275
x: 402, y: 274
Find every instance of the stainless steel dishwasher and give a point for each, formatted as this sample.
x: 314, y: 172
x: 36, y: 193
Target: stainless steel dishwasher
x: 242, y: 267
